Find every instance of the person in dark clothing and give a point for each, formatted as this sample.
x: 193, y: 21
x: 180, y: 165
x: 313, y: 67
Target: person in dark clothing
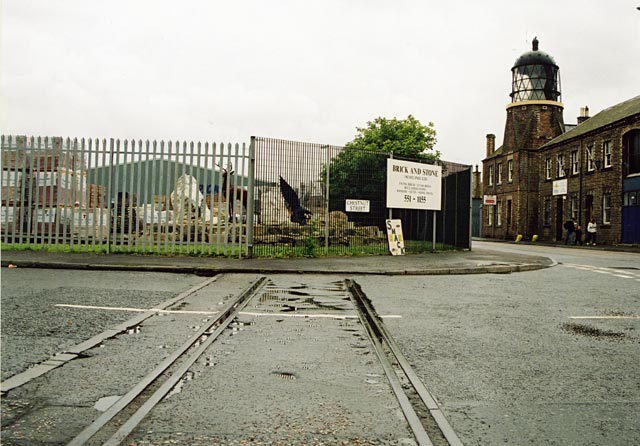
x: 570, y: 238
x: 579, y: 235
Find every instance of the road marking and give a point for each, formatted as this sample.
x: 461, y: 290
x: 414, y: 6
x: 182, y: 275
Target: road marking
x: 246, y: 313
x: 601, y: 270
x: 135, y: 310
x: 606, y: 317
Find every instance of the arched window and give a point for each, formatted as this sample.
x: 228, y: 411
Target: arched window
x: 631, y: 152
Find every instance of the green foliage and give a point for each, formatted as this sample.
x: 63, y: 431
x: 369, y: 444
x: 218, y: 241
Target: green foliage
x: 406, y: 138
x: 359, y: 171
x: 310, y: 242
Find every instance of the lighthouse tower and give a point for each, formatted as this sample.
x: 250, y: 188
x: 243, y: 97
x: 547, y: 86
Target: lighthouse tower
x: 534, y: 116
x: 512, y: 172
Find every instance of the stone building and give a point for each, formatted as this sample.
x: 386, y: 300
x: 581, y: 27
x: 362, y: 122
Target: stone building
x: 547, y: 172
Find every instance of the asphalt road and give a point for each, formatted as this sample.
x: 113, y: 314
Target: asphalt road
x: 507, y: 359
x: 504, y: 355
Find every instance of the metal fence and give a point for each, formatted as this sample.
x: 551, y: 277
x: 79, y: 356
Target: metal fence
x: 267, y: 198
x: 124, y: 196
x: 319, y: 179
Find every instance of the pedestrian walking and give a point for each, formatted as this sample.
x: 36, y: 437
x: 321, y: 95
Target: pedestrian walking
x: 592, y: 232
x: 579, y: 235
x: 570, y: 238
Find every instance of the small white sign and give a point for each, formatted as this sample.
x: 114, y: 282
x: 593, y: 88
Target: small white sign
x: 560, y: 187
x: 357, y: 205
x: 396, y: 240
x: 7, y: 214
x: 413, y: 185
x: 490, y: 200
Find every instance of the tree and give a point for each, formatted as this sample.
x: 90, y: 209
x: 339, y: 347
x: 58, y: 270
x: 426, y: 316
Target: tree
x: 359, y: 171
x: 406, y: 138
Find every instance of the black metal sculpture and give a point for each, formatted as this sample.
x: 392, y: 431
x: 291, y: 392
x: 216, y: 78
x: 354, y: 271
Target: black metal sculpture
x: 297, y: 213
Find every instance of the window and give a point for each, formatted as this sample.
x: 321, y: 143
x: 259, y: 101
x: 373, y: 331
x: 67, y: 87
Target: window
x: 591, y: 164
x: 561, y: 171
x: 490, y: 179
x: 499, y: 174
x: 547, y: 169
x: 631, y: 153
x: 632, y: 198
x: 547, y: 211
x: 575, y: 162
x: 510, y: 171
x: 490, y: 210
x: 574, y: 207
x: 499, y: 213
x: 606, y: 150
x: 606, y: 208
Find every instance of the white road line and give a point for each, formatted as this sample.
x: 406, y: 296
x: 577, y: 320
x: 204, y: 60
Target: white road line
x: 605, y: 317
x: 136, y: 310
x: 601, y: 270
x: 246, y: 313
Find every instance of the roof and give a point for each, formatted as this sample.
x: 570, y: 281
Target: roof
x: 495, y: 153
x: 605, y: 117
x: 535, y: 57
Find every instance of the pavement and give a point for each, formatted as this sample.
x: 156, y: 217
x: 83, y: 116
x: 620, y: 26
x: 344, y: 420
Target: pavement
x: 476, y: 261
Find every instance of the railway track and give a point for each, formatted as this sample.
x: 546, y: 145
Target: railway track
x: 421, y: 410
x: 343, y: 300
x: 130, y: 409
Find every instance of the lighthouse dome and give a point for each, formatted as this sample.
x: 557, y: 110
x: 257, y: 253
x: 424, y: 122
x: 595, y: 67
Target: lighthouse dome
x: 535, y: 76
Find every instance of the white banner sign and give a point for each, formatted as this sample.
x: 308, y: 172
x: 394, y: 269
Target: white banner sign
x: 413, y: 185
x: 356, y: 206
x: 560, y: 187
x: 490, y: 200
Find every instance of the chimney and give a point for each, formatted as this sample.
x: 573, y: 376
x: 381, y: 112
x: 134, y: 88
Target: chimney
x: 477, y: 184
x: 491, y: 144
x: 584, y: 114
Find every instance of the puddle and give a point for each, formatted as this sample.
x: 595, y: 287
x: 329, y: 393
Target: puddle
x: 103, y: 404
x: 587, y: 330
x: 178, y: 387
x: 333, y: 296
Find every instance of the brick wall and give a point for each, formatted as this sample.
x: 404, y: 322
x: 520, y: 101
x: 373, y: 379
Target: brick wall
x: 602, y: 180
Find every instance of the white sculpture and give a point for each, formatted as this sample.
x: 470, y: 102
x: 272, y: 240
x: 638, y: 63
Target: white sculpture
x: 188, y: 198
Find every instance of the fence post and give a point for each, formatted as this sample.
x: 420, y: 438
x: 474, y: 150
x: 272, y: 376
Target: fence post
x: 110, y: 171
x: 470, y: 206
x: 326, y: 218
x: 390, y: 209
x: 250, y: 197
x: 433, y: 243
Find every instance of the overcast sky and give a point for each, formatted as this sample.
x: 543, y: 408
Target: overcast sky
x: 307, y: 70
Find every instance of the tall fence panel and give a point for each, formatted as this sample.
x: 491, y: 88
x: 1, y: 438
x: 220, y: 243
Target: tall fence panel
x: 304, y: 201
x: 297, y: 212
x: 125, y: 195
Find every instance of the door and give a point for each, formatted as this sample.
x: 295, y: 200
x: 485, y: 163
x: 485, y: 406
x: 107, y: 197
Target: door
x: 508, y: 216
x: 588, y: 208
x: 559, y: 219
